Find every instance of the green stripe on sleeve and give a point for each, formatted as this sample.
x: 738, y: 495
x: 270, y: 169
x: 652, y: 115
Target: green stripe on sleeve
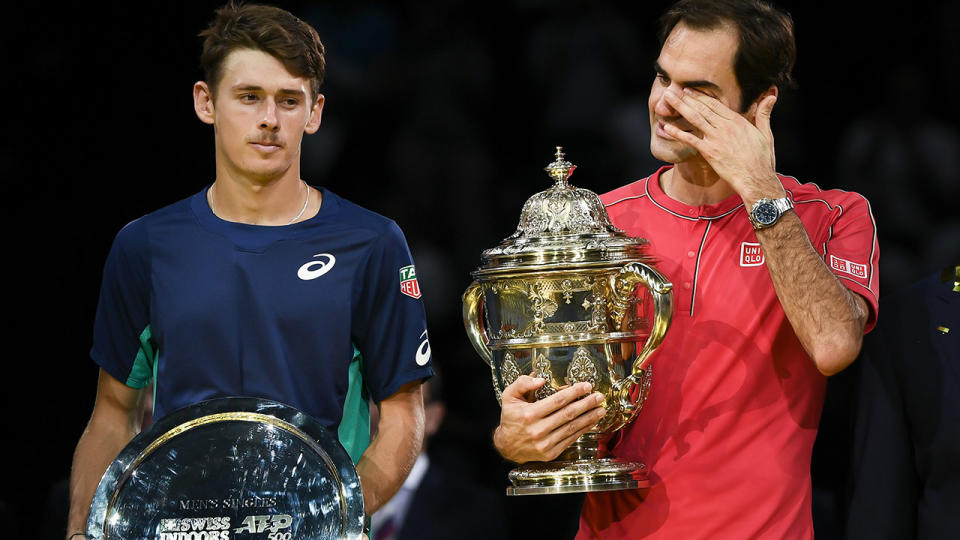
x: 144, y: 366
x: 354, y: 430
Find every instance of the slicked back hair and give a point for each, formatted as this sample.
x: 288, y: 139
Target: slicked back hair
x: 766, y: 51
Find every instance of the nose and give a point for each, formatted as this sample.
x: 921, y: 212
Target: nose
x: 660, y: 105
x: 269, y: 121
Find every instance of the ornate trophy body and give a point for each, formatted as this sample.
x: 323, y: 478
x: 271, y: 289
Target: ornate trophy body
x: 570, y: 298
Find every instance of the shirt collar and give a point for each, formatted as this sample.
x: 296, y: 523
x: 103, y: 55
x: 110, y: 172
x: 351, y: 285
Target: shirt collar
x: 679, y: 209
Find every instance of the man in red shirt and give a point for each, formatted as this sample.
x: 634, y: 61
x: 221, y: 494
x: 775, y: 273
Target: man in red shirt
x: 775, y: 283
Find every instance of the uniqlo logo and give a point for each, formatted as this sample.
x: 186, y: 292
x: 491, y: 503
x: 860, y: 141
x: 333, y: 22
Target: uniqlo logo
x: 750, y: 254
x: 848, y: 267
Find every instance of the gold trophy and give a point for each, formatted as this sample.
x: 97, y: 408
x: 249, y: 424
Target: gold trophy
x: 570, y: 298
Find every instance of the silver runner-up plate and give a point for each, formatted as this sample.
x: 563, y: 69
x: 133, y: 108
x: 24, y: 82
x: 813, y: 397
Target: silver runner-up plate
x: 230, y: 468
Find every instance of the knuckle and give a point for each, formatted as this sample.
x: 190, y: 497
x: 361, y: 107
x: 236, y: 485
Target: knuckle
x: 515, y: 386
x: 560, y: 398
x: 542, y: 448
x: 587, y: 423
x: 575, y: 391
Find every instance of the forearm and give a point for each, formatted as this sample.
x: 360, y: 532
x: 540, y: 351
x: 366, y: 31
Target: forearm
x: 116, y: 418
x: 827, y: 317
x: 98, y: 446
x: 388, y: 460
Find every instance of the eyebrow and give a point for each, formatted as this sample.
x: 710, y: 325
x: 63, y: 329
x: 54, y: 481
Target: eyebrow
x: 255, y: 88
x: 692, y: 84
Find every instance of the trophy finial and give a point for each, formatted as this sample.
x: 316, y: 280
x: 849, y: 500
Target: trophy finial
x: 561, y: 169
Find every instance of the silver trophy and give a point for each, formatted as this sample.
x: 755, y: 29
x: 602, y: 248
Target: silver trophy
x: 230, y: 468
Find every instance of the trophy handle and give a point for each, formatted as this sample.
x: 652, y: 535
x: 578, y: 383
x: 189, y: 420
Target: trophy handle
x: 623, y: 285
x: 472, y: 317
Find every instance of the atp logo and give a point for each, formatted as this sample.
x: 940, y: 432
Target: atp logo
x: 315, y: 269
x: 423, y: 351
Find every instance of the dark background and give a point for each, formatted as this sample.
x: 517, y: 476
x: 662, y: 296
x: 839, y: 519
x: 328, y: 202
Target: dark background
x: 440, y: 115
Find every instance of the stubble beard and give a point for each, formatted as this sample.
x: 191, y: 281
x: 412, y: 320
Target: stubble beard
x: 670, y: 151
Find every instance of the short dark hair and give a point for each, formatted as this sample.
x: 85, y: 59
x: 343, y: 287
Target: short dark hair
x: 270, y: 29
x: 767, y: 50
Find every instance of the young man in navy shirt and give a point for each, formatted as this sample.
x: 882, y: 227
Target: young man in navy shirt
x: 261, y: 284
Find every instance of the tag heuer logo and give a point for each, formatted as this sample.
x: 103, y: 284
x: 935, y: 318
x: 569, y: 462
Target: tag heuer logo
x: 408, y: 282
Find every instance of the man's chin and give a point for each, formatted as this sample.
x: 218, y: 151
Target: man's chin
x: 264, y: 172
x: 670, y: 151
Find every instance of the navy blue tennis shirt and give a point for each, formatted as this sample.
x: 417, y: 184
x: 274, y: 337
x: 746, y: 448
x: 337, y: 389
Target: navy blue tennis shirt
x: 319, y: 315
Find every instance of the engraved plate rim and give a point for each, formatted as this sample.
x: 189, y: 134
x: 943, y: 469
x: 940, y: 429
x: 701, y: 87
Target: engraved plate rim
x: 231, y: 409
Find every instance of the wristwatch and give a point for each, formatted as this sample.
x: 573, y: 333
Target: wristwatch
x: 766, y: 212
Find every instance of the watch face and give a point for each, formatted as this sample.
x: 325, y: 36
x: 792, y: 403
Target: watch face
x: 765, y: 213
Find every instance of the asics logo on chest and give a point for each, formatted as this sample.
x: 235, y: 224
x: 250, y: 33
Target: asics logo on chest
x: 315, y: 269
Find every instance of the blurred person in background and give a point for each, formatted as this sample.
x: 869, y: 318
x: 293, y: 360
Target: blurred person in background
x: 438, y: 499
x: 905, y: 464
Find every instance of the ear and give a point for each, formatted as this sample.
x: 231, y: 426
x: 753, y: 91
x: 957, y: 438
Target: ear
x: 313, y: 123
x: 203, y: 102
x: 751, y: 113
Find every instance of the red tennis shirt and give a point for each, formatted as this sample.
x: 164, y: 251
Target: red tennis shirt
x: 728, y: 428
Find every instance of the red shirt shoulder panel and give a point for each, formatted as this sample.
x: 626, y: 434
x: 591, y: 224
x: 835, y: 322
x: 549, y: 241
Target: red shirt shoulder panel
x: 843, y: 230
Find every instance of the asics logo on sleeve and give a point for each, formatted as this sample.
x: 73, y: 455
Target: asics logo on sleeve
x: 423, y: 351
x: 315, y: 269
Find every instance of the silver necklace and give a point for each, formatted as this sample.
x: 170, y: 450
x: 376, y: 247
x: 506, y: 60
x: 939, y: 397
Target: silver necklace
x: 306, y: 202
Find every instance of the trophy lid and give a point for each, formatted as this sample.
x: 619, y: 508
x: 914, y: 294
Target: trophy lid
x: 563, y: 227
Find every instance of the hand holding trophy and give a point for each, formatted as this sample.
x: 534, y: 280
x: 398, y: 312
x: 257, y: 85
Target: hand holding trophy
x: 571, y: 299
